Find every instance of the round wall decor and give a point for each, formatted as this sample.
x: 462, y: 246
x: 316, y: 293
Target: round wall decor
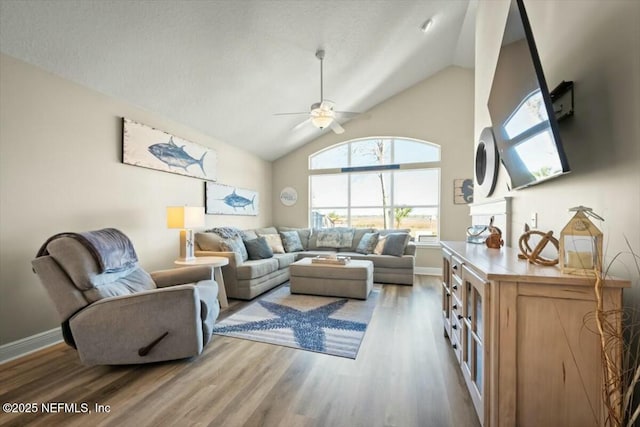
x: 486, y: 163
x: 288, y: 196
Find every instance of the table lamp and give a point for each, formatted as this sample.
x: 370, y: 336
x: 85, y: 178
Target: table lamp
x: 185, y: 218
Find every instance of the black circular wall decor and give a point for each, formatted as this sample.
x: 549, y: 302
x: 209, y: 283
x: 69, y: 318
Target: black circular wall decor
x: 486, y: 163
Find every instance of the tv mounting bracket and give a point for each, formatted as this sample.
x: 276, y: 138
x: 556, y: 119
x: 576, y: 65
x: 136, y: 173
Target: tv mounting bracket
x: 562, y: 100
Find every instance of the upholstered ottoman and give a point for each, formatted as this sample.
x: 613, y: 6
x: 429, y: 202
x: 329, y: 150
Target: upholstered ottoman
x: 353, y: 280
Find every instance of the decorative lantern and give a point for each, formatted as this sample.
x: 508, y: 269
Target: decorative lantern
x: 581, y: 244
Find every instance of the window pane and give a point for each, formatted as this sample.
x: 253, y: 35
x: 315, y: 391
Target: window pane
x: 370, y: 152
x: 407, y: 151
x: 417, y: 187
x: 336, y: 157
x: 423, y: 223
x: 329, y: 190
x: 367, y: 189
x: 370, y: 218
x: 328, y: 218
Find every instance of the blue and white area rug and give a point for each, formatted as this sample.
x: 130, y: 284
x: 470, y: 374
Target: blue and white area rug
x: 327, y: 325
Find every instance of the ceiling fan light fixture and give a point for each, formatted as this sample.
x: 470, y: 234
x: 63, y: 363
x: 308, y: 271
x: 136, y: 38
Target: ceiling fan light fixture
x: 321, y: 120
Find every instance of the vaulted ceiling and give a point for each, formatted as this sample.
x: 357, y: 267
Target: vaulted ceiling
x: 226, y: 67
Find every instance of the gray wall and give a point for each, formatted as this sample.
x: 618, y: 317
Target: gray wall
x: 438, y: 110
x: 597, y: 45
x: 60, y: 170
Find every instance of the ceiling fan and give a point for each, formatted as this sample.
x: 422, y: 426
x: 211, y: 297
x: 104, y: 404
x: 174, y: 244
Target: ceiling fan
x: 322, y: 114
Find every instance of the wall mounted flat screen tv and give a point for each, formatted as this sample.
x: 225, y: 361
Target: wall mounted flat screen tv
x: 524, y: 124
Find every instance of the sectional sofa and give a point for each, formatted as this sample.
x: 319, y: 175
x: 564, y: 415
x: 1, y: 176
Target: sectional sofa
x: 245, y: 279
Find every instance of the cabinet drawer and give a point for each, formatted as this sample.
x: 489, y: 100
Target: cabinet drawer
x: 456, y: 329
x: 457, y: 288
x: 456, y: 310
x: 457, y: 348
x: 456, y: 267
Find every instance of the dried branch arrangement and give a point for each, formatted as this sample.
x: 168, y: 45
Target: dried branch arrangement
x: 620, y: 353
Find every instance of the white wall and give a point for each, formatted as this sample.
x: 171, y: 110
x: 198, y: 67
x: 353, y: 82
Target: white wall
x: 61, y: 170
x: 597, y: 45
x: 438, y: 110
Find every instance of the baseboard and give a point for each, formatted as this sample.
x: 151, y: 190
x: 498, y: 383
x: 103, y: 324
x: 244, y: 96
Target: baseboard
x: 427, y: 271
x: 27, y: 345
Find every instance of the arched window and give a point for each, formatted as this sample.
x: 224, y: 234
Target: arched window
x: 383, y: 182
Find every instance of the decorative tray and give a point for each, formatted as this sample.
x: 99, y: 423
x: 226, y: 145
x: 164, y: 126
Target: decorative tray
x: 339, y: 260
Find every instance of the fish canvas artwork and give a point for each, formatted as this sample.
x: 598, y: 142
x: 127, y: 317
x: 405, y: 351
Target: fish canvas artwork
x: 151, y: 148
x: 223, y: 199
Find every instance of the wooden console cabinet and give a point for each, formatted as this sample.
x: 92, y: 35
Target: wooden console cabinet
x: 522, y: 335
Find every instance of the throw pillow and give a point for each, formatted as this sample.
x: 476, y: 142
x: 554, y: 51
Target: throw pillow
x: 275, y: 242
x: 380, y: 245
x: 367, y: 243
x: 208, y: 242
x: 291, y: 241
x: 236, y: 245
x: 303, y: 233
x: 258, y: 248
x: 395, y: 243
x: 335, y: 238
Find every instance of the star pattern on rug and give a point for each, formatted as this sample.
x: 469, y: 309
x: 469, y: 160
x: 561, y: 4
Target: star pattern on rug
x: 307, y: 326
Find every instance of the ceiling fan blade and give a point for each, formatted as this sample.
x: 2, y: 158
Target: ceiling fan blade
x: 290, y: 114
x: 335, y: 126
x: 301, y: 124
x: 347, y: 113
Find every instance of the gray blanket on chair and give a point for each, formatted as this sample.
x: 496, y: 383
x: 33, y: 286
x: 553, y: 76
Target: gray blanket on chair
x: 111, y: 248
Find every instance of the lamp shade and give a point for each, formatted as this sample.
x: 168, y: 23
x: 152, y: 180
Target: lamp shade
x: 185, y: 217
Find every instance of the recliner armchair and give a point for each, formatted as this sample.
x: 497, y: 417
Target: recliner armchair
x: 127, y: 316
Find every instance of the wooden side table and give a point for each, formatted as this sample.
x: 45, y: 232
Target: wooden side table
x: 217, y: 262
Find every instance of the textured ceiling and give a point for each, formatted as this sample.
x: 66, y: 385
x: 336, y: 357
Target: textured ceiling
x: 225, y: 67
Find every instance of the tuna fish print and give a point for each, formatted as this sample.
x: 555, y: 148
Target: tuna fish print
x: 236, y: 201
x: 154, y: 149
x: 226, y: 200
x: 175, y: 156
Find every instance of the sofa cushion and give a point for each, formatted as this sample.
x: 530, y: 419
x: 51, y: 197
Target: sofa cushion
x: 275, y: 242
x: 258, y: 248
x: 335, y: 238
x: 291, y: 241
x: 235, y: 244
x: 395, y: 243
x: 256, y: 268
x: 367, y: 243
x: 284, y: 260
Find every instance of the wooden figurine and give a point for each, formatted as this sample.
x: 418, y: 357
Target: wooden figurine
x: 533, y: 255
x: 494, y: 241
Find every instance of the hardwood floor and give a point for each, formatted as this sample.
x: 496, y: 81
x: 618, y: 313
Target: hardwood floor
x: 405, y: 375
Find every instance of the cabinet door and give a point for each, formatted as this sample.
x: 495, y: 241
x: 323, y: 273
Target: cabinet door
x: 446, y: 291
x: 475, y: 364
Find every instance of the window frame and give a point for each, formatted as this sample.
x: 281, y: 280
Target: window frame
x: 390, y: 168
